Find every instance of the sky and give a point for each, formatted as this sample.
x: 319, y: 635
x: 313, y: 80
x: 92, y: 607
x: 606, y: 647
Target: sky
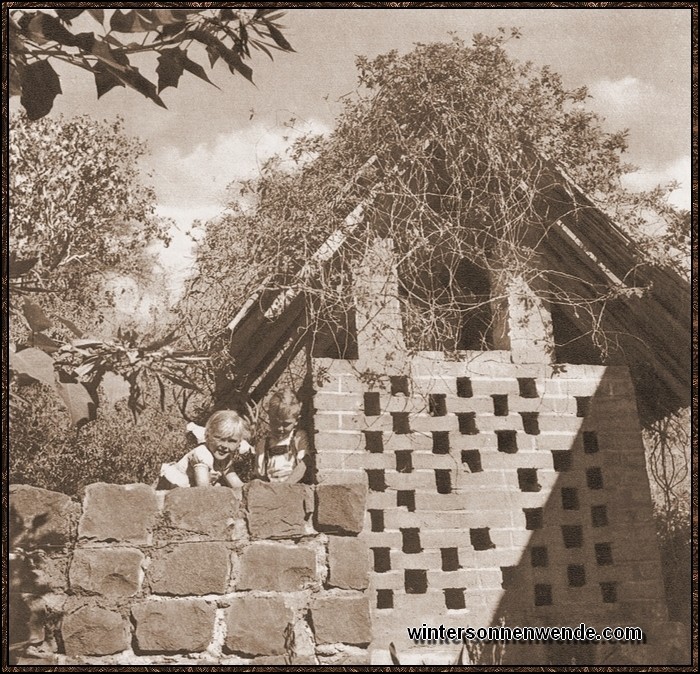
x: 636, y: 64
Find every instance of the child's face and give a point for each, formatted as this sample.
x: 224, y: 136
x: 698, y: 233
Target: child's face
x: 281, y: 428
x: 222, y: 448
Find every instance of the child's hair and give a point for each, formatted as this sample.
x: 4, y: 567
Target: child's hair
x: 226, y: 424
x: 283, y: 404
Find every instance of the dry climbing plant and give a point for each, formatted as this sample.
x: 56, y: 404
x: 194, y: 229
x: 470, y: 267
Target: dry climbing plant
x: 457, y: 133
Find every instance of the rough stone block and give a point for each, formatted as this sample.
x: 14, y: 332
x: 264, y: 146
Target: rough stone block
x: 173, y: 626
x: 348, y: 560
x: 209, y: 511
x: 339, y: 619
x: 94, y: 631
x: 340, y: 508
x: 278, y: 510
x: 110, y: 572
x: 124, y: 513
x: 276, y: 567
x: 256, y: 626
x: 39, y: 516
x: 190, y: 569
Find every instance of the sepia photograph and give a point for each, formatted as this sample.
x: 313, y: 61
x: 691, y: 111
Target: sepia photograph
x: 349, y: 334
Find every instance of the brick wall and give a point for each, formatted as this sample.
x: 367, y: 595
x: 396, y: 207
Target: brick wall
x: 501, y: 486
x: 192, y: 576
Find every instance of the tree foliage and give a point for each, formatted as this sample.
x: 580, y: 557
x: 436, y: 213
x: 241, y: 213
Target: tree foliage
x: 459, y: 135
x: 105, y: 46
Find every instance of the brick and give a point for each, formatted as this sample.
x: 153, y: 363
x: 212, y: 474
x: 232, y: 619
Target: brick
x: 495, y: 386
x: 278, y: 510
x: 356, y: 422
x: 207, y: 511
x: 123, y: 513
x: 486, y: 441
x: 173, y: 626
x: 389, y: 580
x: 256, y: 625
x: 340, y: 508
x: 428, y: 559
x: 478, y: 404
x: 190, y: 569
x: 333, y: 366
x: 112, y: 572
x: 549, y: 404
x: 352, y: 384
x: 463, y: 578
x: 427, y: 424
x: 418, y: 479
x: 94, y: 631
x: 331, y: 477
x: 325, y: 441
x: 555, y: 440
x: 348, y: 562
x: 394, y: 442
x: 427, y: 501
x: 341, y: 620
x: 40, y: 516
x: 276, y: 567
x: 427, y: 385
x: 550, y: 423
x: 402, y: 403
x: 379, y: 539
x: 332, y: 402
x: 327, y: 421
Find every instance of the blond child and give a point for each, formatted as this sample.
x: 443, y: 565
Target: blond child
x: 223, y: 458
x: 283, y: 455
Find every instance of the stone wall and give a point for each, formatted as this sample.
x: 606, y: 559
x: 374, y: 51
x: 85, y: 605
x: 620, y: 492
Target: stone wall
x: 192, y: 576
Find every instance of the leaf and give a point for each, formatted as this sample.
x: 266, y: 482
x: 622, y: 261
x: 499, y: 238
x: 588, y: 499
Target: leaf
x: 277, y: 36
x: 163, y: 341
x: 35, y: 316
x: 393, y: 654
x: 97, y: 14
x: 70, y: 325
x: 35, y: 364
x: 161, y: 397
x: 170, y: 68
x: 168, y: 17
x: 45, y: 343
x: 21, y: 267
x: 15, y: 81
x: 40, y: 85
x: 131, y: 22
x: 180, y: 382
x: 67, y: 15
x: 114, y: 387
x: 78, y: 401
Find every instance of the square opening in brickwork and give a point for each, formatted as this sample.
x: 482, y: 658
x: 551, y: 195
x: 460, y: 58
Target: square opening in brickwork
x: 415, y: 581
x: 464, y: 387
x: 603, y: 554
x: 572, y: 535
x: 406, y: 498
x: 471, y: 458
x: 450, y: 559
x: 399, y: 386
x: 527, y: 479
x: 539, y: 556
x: 509, y: 577
x: 382, y: 559
x: 467, y: 423
x: 400, y: 423
x: 528, y: 387
x: 543, y: 595
x: 374, y: 442
x: 385, y: 599
x: 561, y: 460
x: 590, y: 442
x: 404, y: 462
x: 569, y: 498
x: 481, y: 539
x: 437, y: 404
x: 534, y: 518
x: 441, y: 442
x: 599, y: 516
x: 594, y: 478
x: 410, y: 541
x: 507, y: 442
x: 454, y: 598
x: 376, y: 518
x: 531, y: 422
x: 583, y: 406
x: 500, y: 405
x: 576, y: 574
x: 443, y: 481
x: 372, y: 405
x: 376, y: 480
x: 609, y: 592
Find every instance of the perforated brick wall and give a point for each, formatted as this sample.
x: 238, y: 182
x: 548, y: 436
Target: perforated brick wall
x: 497, y: 489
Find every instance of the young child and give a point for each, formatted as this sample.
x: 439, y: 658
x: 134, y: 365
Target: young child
x: 224, y: 458
x: 283, y: 455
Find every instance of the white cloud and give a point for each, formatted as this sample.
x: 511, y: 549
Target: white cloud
x: 188, y: 181
x: 678, y: 170
x: 623, y: 94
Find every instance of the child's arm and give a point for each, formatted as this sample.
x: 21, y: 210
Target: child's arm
x: 301, y: 442
x: 260, y: 459
x: 235, y: 483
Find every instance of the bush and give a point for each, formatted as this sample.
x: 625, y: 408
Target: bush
x: 45, y: 451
